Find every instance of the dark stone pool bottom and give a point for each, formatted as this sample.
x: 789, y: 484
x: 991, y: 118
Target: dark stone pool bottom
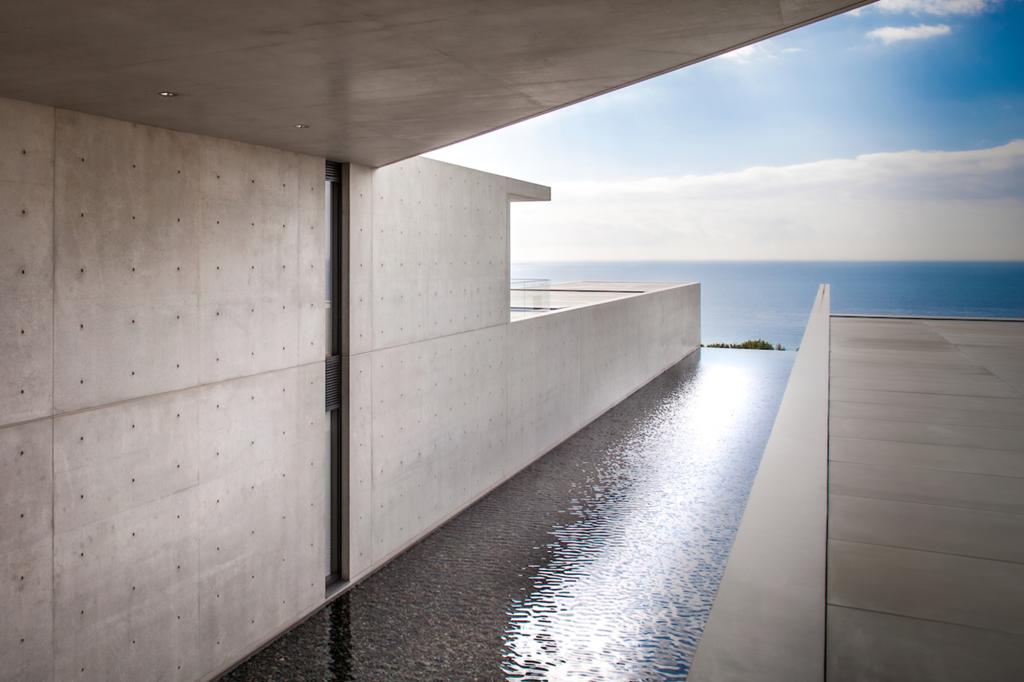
x: 599, y: 561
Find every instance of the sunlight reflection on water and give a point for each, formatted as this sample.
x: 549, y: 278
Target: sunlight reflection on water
x: 630, y: 579
x: 599, y: 561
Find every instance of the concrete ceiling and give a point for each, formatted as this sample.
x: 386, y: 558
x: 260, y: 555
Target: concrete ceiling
x: 375, y: 81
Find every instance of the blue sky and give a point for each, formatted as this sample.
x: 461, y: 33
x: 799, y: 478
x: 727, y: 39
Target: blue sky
x: 893, y: 78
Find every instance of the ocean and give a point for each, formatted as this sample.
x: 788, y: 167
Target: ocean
x: 770, y: 300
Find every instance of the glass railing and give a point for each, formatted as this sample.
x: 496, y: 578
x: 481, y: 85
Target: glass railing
x: 530, y: 295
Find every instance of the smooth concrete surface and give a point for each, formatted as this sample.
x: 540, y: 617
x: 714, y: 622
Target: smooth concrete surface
x: 768, y: 619
x: 883, y: 647
x: 374, y: 82
x: 26, y: 390
x: 26, y: 551
x: 161, y: 430
x: 439, y: 252
x: 426, y: 297
x: 164, y: 454
x: 448, y: 398
x: 26, y: 261
x: 452, y: 417
x: 926, y: 524
x: 567, y: 368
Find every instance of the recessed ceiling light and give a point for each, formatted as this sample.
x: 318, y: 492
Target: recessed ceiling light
x: 301, y: 125
x: 168, y: 93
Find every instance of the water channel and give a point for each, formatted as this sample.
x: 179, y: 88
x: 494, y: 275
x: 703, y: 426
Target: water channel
x: 598, y: 562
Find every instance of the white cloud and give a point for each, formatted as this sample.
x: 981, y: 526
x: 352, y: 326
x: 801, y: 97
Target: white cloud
x: 935, y: 7
x: 898, y: 34
x: 757, y: 52
x: 903, y: 205
x: 747, y: 54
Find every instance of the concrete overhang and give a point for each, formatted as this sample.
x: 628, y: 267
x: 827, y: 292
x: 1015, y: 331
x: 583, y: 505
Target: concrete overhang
x: 520, y: 190
x: 375, y: 82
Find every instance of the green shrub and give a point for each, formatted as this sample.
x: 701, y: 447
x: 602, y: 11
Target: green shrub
x: 751, y: 344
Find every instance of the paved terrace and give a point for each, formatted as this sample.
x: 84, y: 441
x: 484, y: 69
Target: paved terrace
x: 912, y: 535
x: 926, y: 500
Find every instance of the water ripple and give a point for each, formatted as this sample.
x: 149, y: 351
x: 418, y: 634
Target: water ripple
x: 598, y: 562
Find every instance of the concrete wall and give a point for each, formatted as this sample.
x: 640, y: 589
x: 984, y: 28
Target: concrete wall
x: 568, y: 367
x: 161, y: 383
x: 447, y: 397
x: 161, y: 397
x: 427, y: 315
x: 768, y: 620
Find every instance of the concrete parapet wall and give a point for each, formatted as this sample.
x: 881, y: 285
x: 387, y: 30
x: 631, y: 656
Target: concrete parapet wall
x: 453, y: 417
x: 568, y: 367
x: 161, y: 397
x: 447, y: 398
x: 627, y: 342
x: 768, y: 619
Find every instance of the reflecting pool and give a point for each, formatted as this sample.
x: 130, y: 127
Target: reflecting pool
x: 598, y: 562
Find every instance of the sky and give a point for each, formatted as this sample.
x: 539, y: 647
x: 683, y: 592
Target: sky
x: 893, y: 132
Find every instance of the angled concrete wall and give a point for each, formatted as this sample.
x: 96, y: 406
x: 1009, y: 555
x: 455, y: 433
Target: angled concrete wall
x: 161, y: 430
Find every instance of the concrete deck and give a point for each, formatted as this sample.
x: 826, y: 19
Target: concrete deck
x: 926, y: 500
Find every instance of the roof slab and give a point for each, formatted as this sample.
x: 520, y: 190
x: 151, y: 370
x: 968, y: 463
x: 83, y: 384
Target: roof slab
x: 375, y: 82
